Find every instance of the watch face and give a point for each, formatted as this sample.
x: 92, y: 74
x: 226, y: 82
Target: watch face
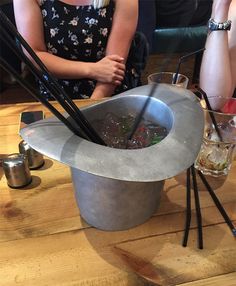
x: 211, y: 26
x: 214, y: 26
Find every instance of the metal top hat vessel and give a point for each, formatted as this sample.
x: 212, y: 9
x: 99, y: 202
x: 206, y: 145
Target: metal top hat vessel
x: 117, y: 189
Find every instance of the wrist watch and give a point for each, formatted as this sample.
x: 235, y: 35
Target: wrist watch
x: 218, y: 26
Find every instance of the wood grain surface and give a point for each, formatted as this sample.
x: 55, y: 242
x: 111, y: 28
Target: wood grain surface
x: 44, y: 240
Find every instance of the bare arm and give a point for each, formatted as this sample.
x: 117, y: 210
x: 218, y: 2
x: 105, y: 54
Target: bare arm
x: 218, y: 70
x: 232, y: 42
x: 123, y: 29
x: 30, y: 25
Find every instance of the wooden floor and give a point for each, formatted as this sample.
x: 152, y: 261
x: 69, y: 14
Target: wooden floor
x: 16, y: 94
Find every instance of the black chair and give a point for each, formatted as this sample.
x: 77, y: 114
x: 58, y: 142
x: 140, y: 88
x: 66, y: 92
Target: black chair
x: 181, y: 40
x: 165, y: 40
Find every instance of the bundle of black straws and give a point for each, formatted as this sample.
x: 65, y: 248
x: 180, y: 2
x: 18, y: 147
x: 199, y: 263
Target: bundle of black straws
x: 191, y: 172
x: 79, y: 124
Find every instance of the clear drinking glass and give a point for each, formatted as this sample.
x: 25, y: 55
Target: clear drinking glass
x: 217, y: 152
x: 168, y: 78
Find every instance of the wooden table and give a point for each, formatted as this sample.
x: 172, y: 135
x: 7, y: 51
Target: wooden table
x: 44, y: 241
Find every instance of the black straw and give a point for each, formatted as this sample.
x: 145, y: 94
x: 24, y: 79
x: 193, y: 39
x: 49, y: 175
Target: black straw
x: 183, y: 59
x: 207, y: 185
x: 211, y: 113
x: 38, y: 97
x: 197, y: 208
x: 141, y: 113
x: 10, y: 42
x: 188, y: 207
x: 218, y: 204
x: 154, y: 86
x: 190, y: 174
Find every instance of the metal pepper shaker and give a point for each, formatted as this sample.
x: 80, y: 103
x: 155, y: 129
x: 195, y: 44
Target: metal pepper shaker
x: 35, y: 159
x: 16, y: 170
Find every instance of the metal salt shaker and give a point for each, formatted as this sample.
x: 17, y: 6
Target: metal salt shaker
x: 16, y: 170
x: 35, y: 159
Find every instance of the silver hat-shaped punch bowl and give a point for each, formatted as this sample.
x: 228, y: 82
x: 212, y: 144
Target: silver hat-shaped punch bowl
x: 117, y: 189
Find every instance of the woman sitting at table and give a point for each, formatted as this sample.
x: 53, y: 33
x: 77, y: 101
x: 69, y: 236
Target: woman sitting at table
x: 84, y: 43
x: 218, y: 69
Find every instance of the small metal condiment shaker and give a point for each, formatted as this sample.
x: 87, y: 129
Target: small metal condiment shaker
x: 16, y: 170
x: 35, y: 158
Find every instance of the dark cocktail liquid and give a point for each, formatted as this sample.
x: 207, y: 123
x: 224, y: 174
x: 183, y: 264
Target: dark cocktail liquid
x: 115, y: 132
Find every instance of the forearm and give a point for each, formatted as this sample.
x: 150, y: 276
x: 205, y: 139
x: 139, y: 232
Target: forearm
x: 123, y: 29
x: 103, y: 90
x: 65, y: 69
x: 215, y: 76
x: 220, y: 10
x: 107, y: 70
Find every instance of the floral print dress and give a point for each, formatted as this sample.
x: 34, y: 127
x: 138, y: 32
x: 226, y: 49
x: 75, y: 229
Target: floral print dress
x: 78, y: 33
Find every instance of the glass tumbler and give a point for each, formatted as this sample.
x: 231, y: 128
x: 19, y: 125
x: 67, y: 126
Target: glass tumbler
x: 168, y: 78
x: 218, y: 146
